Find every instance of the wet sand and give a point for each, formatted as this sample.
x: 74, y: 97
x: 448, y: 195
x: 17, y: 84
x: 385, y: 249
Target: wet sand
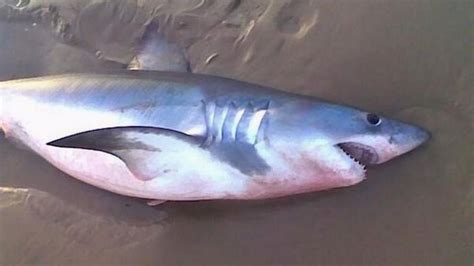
x: 411, y: 60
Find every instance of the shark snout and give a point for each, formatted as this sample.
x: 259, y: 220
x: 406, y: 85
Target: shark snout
x: 411, y: 137
x: 422, y: 135
x: 407, y: 138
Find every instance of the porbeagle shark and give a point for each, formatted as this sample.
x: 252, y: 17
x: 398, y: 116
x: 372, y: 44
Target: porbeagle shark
x: 181, y: 136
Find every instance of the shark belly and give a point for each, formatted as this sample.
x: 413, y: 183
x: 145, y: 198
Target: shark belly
x: 179, y: 180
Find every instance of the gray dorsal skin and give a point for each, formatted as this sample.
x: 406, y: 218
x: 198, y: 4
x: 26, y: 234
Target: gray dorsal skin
x: 156, y: 53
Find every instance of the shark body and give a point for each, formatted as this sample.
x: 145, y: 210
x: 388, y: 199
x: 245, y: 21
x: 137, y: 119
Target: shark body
x: 182, y: 136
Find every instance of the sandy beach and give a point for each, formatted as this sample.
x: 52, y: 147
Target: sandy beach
x: 410, y: 60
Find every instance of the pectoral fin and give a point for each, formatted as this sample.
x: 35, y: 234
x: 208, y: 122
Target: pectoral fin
x: 140, y: 148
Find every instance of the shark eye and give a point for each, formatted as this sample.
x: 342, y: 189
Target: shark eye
x: 373, y: 119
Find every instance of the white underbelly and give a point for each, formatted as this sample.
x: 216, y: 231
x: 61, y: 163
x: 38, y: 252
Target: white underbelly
x: 180, y: 182
x: 206, y: 179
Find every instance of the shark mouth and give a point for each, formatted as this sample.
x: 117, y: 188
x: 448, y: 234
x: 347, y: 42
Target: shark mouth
x: 359, y: 153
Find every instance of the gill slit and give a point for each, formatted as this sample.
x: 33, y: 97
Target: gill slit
x: 234, y: 121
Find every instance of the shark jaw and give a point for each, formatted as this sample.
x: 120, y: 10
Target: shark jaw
x: 358, y: 156
x: 359, y: 153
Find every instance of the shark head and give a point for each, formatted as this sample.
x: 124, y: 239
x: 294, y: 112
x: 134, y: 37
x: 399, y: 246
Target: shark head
x: 343, y: 139
x: 372, y: 139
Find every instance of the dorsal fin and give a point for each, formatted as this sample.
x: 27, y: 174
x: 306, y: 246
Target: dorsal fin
x: 156, y: 53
